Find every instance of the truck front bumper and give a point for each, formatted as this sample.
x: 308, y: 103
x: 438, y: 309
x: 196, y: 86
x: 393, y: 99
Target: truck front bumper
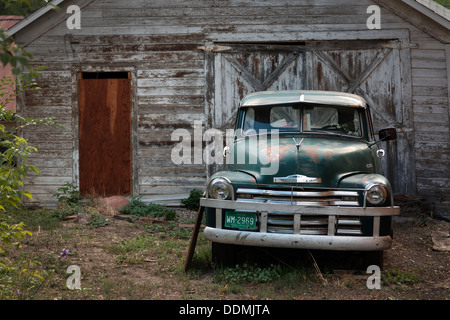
x: 313, y: 242
x: 331, y: 241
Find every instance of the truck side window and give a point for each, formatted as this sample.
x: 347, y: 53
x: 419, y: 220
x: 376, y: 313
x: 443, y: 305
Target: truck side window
x: 249, y: 121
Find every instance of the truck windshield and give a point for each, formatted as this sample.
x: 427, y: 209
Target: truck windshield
x: 326, y: 119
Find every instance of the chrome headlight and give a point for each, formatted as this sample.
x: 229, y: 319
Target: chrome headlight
x: 220, y: 188
x: 376, y: 195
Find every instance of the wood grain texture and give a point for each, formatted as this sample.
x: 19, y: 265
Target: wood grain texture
x: 105, y: 137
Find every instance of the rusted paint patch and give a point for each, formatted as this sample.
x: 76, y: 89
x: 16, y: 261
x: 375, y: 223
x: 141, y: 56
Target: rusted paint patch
x: 312, y: 153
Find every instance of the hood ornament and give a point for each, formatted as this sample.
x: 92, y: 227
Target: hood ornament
x: 298, y: 143
x: 297, y: 178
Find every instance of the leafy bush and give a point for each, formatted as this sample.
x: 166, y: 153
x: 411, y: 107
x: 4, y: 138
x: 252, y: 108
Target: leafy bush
x: 19, y: 278
x: 14, y: 150
x: 98, y: 221
x: 170, y: 215
x: 193, y: 201
x: 69, y: 201
x: 69, y: 193
x: 137, y: 208
x: 69, y: 198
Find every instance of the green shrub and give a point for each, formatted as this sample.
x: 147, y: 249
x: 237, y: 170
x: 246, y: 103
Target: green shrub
x: 137, y: 208
x: 171, y: 215
x: 69, y: 193
x: 193, y: 201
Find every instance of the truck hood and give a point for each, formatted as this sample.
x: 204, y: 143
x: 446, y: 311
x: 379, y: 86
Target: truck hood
x: 294, y: 160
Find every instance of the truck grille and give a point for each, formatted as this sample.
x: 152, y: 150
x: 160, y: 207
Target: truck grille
x: 279, y: 222
x: 313, y: 225
x: 306, y: 198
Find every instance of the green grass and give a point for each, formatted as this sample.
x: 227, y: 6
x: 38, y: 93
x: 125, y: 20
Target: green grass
x: 36, y: 219
x: 397, y: 277
x: 167, y: 251
x: 159, y: 252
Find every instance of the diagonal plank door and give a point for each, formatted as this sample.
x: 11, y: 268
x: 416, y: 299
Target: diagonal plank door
x: 376, y: 75
x: 241, y: 69
x: 105, y: 137
x: 247, y: 68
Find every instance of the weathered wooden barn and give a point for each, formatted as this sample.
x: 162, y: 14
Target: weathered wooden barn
x: 121, y: 76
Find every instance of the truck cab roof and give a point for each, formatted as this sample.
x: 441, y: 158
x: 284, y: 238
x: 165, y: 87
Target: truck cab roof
x: 306, y: 96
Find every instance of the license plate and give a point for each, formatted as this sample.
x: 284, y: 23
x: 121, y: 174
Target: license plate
x: 240, y: 220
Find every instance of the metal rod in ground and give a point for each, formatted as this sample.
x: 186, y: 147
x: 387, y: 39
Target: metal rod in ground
x: 194, y: 237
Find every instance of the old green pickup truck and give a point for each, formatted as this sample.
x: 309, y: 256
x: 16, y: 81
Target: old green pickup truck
x: 303, y: 171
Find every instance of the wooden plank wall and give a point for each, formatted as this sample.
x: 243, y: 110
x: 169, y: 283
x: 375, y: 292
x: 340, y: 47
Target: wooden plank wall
x: 431, y: 119
x: 157, y: 42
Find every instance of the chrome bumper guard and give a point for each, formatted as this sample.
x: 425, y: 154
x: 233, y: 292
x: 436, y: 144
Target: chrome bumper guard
x: 330, y: 239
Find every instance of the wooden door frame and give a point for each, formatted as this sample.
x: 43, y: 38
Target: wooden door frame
x: 76, y: 71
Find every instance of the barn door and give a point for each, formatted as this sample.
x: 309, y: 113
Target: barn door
x: 381, y: 76
x: 234, y: 71
x: 105, y: 135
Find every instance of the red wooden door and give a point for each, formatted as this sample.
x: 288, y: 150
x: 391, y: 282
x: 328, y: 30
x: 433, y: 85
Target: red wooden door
x: 105, y: 137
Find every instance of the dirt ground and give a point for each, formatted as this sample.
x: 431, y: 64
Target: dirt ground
x: 413, y: 268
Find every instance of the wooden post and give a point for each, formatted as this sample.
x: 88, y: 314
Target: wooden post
x: 194, y: 237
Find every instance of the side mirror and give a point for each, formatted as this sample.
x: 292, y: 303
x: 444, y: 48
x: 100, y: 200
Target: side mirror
x: 387, y: 134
